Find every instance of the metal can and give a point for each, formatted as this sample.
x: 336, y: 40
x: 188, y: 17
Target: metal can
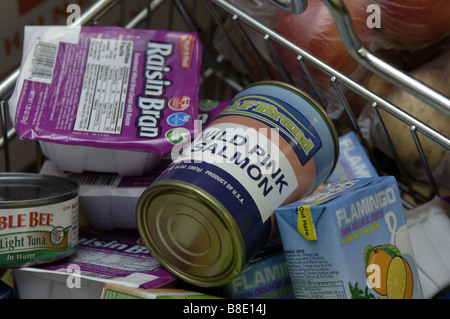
x: 38, y: 219
x: 211, y: 211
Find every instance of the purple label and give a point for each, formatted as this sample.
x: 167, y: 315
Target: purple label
x: 113, y: 254
x: 114, y: 88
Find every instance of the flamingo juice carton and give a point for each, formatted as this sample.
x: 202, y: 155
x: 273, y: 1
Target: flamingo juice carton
x: 350, y: 241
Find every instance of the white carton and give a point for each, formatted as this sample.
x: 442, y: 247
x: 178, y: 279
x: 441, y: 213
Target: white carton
x: 429, y: 229
x: 78, y: 158
x: 108, y: 200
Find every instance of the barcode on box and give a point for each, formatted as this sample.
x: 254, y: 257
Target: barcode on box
x: 43, y: 62
x: 95, y: 179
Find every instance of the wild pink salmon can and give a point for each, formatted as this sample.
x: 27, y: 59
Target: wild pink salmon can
x: 211, y: 211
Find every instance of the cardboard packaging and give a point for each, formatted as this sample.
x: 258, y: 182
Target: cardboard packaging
x: 118, y: 257
x: 115, y: 291
x: 350, y: 241
x: 429, y: 229
x: 353, y: 161
x: 266, y: 277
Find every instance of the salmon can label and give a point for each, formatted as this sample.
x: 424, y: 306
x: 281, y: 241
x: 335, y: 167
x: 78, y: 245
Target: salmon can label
x: 243, y: 155
x: 258, y: 154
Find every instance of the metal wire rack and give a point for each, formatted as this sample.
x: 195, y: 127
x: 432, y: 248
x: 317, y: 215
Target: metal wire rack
x: 208, y: 18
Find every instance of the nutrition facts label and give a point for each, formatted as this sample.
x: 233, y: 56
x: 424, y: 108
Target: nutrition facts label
x: 112, y: 263
x: 314, y: 276
x: 128, y: 270
x: 105, y: 84
x: 322, y: 290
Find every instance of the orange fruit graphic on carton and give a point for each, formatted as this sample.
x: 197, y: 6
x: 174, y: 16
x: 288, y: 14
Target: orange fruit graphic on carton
x: 388, y: 272
x: 399, y: 280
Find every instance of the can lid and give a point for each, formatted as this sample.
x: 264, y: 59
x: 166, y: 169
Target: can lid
x: 28, y: 189
x: 190, y: 233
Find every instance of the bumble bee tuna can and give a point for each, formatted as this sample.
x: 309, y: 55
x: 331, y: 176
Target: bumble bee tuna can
x: 38, y: 219
x: 211, y: 210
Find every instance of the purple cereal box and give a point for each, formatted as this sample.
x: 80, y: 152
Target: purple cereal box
x: 117, y: 256
x: 108, y: 87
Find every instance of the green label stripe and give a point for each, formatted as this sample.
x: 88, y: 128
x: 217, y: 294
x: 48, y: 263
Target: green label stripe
x: 32, y: 240
x: 114, y: 294
x: 31, y: 256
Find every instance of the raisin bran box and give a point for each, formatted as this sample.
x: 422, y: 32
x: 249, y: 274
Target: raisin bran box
x: 105, y: 96
x: 117, y: 257
x: 350, y: 241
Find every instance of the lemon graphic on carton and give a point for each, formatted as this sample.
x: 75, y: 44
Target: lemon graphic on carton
x: 392, y: 273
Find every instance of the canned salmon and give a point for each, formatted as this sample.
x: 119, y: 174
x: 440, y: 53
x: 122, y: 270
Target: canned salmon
x: 38, y: 219
x: 211, y: 211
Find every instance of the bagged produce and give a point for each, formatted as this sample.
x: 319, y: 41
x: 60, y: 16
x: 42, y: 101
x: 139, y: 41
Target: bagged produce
x: 412, y: 24
x: 314, y: 31
x: 436, y: 74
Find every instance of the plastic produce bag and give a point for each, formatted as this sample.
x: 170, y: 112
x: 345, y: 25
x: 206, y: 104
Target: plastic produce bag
x: 436, y: 74
x: 314, y: 31
x: 412, y: 24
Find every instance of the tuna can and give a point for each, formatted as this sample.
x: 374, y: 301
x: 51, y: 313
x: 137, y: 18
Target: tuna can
x: 38, y: 219
x: 211, y: 211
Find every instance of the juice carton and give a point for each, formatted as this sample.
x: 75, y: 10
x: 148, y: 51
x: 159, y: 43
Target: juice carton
x: 350, y: 241
x: 265, y: 277
x: 353, y: 161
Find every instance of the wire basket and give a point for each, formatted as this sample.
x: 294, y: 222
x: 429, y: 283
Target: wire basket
x: 222, y: 79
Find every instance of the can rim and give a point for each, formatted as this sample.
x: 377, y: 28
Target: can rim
x: 68, y: 189
x: 228, y: 222
x: 313, y: 102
